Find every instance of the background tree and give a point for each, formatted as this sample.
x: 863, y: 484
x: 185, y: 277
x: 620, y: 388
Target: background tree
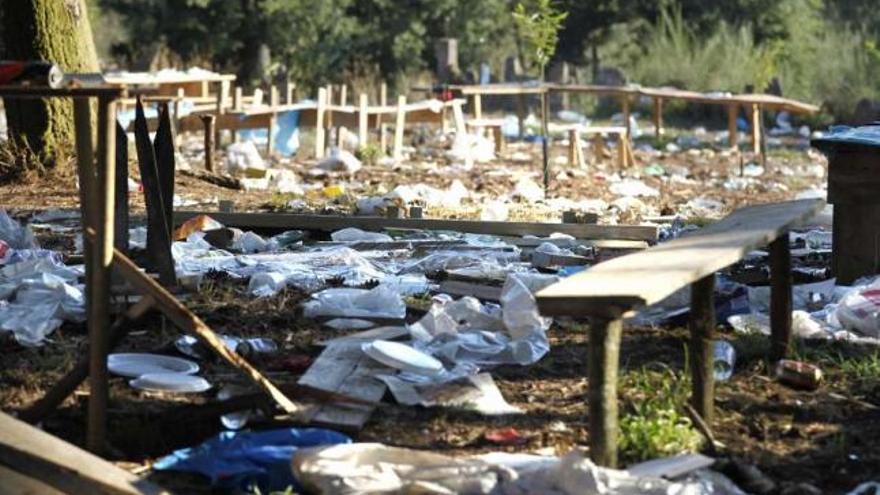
x: 54, y: 30
x: 537, y: 27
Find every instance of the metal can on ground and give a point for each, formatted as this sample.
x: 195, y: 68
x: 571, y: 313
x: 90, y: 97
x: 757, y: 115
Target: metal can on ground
x: 798, y: 374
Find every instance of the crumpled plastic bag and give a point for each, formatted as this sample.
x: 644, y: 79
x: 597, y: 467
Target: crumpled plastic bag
x: 380, y: 302
x: 39, y: 306
x: 14, y: 234
x: 363, y: 468
x: 340, y: 161
x: 243, y: 156
x: 859, y: 310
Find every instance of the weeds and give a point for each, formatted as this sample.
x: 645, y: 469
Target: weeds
x: 656, y: 424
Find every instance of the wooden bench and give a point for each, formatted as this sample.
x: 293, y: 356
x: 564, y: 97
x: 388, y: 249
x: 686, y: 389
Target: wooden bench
x: 575, y: 147
x: 495, y: 126
x: 611, y: 291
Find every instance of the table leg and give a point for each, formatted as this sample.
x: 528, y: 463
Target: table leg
x: 604, y: 360
x: 780, y: 297
x: 702, y: 328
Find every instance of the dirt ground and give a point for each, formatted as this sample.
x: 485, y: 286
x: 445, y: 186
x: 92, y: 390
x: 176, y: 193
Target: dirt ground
x: 827, y: 438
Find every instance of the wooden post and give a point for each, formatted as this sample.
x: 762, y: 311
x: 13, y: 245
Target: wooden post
x: 702, y: 327
x: 780, y: 297
x: 236, y: 99
x: 343, y: 95
x: 258, y: 98
x: 85, y: 167
x: 603, y: 361
x: 624, y: 103
x: 319, y: 123
x: 273, y: 120
x: 208, y: 122
x: 444, y: 120
x: 362, y: 120
x: 383, y: 102
x: 222, y: 104
x: 99, y: 310
x: 478, y: 106
x: 572, y: 147
x: 732, y: 136
x: 658, y: 117
x: 545, y: 135
x: 289, y: 89
x: 622, y: 161
x: 181, y: 94
x: 500, y: 144
x: 458, y: 118
x: 756, y: 128
x: 399, y: 123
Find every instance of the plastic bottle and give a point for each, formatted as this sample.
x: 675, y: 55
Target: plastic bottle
x: 725, y: 357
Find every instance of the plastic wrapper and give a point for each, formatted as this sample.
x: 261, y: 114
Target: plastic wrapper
x: 484, y: 262
x: 859, y: 310
x: 380, y: 302
x: 362, y: 468
x: 39, y: 306
x: 340, y: 161
x: 14, y: 234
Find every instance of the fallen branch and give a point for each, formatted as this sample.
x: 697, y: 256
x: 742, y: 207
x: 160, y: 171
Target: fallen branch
x: 217, y: 180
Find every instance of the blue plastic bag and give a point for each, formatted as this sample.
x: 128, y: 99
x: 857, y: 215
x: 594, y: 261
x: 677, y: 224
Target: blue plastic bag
x: 242, y: 460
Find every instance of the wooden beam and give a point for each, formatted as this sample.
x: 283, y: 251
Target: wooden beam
x: 658, y: 117
x: 732, y: 137
x: 399, y: 124
x: 328, y: 223
x: 478, y: 106
x: 208, y: 122
x: 624, y: 104
x: 383, y: 101
x: 37, y: 455
x: 780, y: 298
x: 343, y: 94
x: 603, y: 363
x: 120, y: 240
x: 362, y: 120
x: 756, y: 128
x: 702, y: 351
x: 319, y: 124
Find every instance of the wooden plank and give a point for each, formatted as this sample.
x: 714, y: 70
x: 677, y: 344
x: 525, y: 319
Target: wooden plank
x: 344, y: 369
x: 362, y: 121
x: 65, y: 467
x: 480, y: 291
x: 399, y: 124
x: 756, y: 128
x: 190, y: 323
x: 163, y: 148
x: 329, y: 223
x: 320, y: 134
x: 780, y: 298
x: 602, y: 367
x: 644, y: 278
x: 702, y: 351
x: 732, y: 130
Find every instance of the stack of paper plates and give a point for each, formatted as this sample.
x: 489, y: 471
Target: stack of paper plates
x: 134, y: 365
x: 402, y: 357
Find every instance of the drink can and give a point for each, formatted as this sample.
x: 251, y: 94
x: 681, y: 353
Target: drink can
x: 798, y: 374
x: 30, y: 73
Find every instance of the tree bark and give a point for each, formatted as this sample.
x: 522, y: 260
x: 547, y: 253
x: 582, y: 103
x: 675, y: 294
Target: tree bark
x: 53, y: 30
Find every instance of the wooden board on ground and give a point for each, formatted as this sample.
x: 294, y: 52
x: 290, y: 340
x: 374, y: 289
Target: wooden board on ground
x: 329, y: 223
x: 35, y: 454
x: 480, y: 291
x: 644, y: 278
x: 344, y: 368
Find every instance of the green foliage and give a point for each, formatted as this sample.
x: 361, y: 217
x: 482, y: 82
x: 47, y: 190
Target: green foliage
x: 369, y: 154
x: 656, y: 425
x: 537, y: 27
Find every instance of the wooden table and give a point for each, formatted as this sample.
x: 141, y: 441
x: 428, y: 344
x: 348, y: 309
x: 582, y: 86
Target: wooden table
x: 755, y: 103
x: 97, y: 184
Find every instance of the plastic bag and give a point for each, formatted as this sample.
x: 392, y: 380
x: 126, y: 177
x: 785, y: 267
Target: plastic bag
x: 859, y: 310
x: 380, y: 302
x: 241, y: 461
x: 14, y: 234
x: 352, y: 234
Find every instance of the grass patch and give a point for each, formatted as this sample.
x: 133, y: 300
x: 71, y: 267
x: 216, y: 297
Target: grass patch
x: 655, y: 424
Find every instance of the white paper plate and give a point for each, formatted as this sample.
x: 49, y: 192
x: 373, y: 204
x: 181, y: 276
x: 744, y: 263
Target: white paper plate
x: 402, y: 357
x: 170, y: 382
x: 134, y: 365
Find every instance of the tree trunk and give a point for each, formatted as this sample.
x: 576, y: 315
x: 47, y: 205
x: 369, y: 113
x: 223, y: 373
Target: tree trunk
x: 57, y: 31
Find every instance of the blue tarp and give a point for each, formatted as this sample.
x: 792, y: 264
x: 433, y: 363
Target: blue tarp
x: 241, y: 460
x: 841, y: 134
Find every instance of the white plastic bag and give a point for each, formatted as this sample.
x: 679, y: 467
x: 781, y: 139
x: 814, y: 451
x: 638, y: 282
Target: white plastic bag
x: 380, y: 302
